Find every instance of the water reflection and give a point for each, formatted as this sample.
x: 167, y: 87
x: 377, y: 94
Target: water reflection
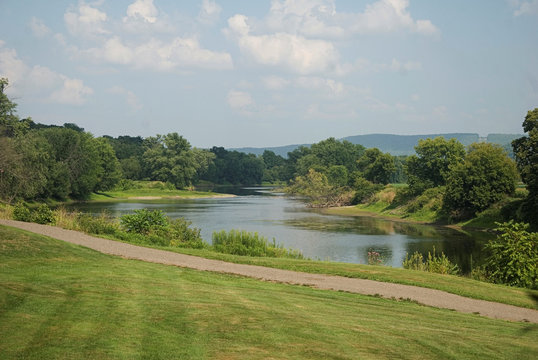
x: 318, y: 236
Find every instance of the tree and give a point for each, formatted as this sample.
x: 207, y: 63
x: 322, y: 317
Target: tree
x: 320, y: 193
x: 485, y: 176
x: 431, y: 166
x: 76, y: 165
x: 109, y: 167
x: 326, y: 153
x: 526, y: 153
x: 376, y: 166
x: 10, y: 125
x: 169, y: 158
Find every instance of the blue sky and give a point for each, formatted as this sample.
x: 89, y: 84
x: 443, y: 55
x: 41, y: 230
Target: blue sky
x: 269, y: 73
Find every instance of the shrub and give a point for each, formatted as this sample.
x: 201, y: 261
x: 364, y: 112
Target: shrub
x: 43, y: 215
x: 364, y: 189
x: 102, y: 224
x: 245, y: 243
x: 144, y: 221
x: 21, y: 212
x: 182, y: 235
x: 435, y: 264
x: 514, y: 256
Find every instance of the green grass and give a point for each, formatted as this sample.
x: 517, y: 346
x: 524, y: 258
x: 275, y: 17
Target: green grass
x: 117, y: 195
x: 61, y: 301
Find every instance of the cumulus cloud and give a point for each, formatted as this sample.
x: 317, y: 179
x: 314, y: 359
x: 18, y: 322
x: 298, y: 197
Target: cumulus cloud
x: 209, y: 12
x: 39, y: 29
x: 40, y: 81
x: 85, y: 20
x: 290, y: 51
x: 159, y: 55
x: 144, y: 10
x: 72, y: 92
x: 526, y: 8
x: 319, y: 18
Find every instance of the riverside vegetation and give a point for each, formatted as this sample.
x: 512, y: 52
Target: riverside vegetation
x: 153, y: 229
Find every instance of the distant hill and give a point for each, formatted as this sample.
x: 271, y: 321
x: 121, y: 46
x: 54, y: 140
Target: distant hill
x: 395, y: 144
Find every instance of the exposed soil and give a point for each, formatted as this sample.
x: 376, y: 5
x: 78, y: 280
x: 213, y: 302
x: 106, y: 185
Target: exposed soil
x: 430, y: 297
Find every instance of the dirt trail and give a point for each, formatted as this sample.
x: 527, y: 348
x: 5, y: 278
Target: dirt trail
x: 424, y: 296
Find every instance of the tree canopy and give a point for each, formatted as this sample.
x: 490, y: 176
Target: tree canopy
x: 526, y: 153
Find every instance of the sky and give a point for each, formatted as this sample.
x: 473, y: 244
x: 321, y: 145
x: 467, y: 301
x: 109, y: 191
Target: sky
x: 270, y: 73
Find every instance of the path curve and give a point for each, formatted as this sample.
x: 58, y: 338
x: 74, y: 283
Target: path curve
x: 430, y: 297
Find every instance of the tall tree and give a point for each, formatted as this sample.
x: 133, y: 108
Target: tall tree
x: 376, y: 166
x: 526, y: 153
x: 109, y: 173
x: 170, y: 158
x: 485, y: 176
x: 431, y: 166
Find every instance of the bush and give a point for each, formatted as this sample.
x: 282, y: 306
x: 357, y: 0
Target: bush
x: 181, y: 235
x: 144, y: 221
x: 21, y: 212
x: 514, y: 256
x: 43, y: 215
x: 435, y: 264
x: 103, y: 224
x: 364, y: 189
x: 245, y: 243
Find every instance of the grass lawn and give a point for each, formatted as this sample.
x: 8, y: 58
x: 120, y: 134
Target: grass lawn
x: 61, y: 301
x: 450, y: 283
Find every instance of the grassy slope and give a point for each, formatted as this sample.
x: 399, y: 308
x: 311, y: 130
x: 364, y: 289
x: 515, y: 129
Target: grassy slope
x: 62, y: 301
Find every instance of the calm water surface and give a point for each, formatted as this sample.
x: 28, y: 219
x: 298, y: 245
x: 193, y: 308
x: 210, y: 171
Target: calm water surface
x: 317, y: 236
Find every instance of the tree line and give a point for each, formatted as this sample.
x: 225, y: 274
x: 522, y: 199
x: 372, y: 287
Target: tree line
x: 46, y: 161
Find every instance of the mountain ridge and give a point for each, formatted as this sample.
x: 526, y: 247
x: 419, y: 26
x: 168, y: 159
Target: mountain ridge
x: 392, y: 143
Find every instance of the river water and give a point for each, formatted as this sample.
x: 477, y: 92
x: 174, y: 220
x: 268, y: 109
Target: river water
x: 317, y: 236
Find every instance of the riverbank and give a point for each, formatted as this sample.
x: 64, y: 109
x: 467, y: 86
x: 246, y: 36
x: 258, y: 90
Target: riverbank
x: 64, y: 301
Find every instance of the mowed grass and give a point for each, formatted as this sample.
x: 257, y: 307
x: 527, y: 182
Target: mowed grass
x: 61, y: 301
x: 450, y: 283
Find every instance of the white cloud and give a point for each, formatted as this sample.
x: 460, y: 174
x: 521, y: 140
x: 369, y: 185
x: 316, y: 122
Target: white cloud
x: 85, y: 21
x: 319, y: 18
x: 143, y: 10
x: 72, y: 92
x: 39, y: 81
x: 209, y: 12
x: 526, y: 8
x: 289, y: 51
x: 130, y: 98
x: 179, y: 53
x: 239, y: 100
x: 39, y: 29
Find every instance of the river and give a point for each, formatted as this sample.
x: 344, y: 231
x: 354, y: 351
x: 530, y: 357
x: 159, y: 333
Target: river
x: 316, y: 235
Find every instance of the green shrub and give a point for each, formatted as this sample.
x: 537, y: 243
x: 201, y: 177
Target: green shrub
x: 144, y: 221
x: 364, y: 189
x: 103, y: 224
x: 21, y: 212
x: 514, y: 256
x: 43, y: 215
x: 434, y: 263
x: 245, y: 243
x: 182, y: 235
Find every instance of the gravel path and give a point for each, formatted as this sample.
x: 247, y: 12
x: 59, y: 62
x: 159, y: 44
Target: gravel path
x: 424, y: 296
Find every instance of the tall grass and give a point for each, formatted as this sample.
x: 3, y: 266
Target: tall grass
x: 240, y: 242
x: 434, y: 263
